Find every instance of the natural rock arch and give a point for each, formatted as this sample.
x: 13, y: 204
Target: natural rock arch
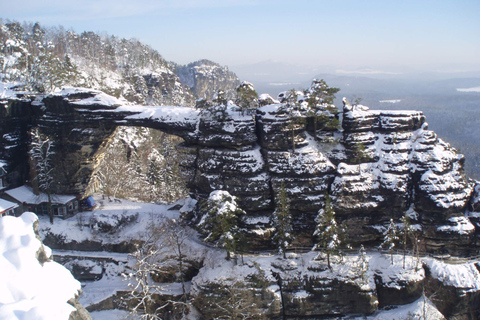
x: 403, y: 166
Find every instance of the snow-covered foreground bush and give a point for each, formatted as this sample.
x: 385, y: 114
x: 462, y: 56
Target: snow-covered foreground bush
x: 31, y: 285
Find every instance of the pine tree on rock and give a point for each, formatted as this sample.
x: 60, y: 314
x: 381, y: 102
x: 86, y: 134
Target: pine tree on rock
x: 319, y: 98
x: 331, y: 237
x: 220, y: 221
x: 282, y: 221
x: 247, y: 97
x: 293, y: 112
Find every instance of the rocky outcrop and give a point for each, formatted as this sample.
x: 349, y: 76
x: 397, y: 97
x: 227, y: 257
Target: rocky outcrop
x: 396, y: 163
x: 455, y: 289
x: 205, y: 78
x: 381, y: 166
x: 272, y: 288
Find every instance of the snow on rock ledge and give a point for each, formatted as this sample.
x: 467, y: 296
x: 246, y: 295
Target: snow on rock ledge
x: 32, y: 286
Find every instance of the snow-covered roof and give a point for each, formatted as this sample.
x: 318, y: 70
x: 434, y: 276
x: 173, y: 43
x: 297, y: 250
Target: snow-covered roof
x: 25, y: 194
x: 7, y: 205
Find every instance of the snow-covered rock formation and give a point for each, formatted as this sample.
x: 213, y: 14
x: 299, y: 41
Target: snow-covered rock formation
x: 205, y: 78
x: 382, y: 165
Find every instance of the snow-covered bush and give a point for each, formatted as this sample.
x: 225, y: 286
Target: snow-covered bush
x: 220, y: 220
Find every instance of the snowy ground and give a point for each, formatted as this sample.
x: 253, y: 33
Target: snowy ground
x: 422, y: 309
x: 85, y: 226
x: 79, y: 228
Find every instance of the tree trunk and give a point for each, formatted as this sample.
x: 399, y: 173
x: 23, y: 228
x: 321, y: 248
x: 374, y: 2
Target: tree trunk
x: 50, y: 209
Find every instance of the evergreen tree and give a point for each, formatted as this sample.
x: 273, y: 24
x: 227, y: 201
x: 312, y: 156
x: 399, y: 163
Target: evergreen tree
x: 330, y: 236
x: 390, y: 238
x: 360, y: 154
x: 362, y: 263
x: 220, y: 98
x: 220, y: 221
x: 282, y: 221
x: 294, y: 117
x: 247, y: 97
x: 321, y: 110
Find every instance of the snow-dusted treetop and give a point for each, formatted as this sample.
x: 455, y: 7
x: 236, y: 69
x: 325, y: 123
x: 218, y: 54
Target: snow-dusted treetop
x: 30, y: 289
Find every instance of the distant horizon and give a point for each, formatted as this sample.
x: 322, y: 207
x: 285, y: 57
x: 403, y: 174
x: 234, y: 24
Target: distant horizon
x: 348, y: 35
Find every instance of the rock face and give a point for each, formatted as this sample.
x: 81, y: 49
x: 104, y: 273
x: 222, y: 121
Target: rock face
x: 205, y: 78
x: 382, y: 165
x: 457, y: 289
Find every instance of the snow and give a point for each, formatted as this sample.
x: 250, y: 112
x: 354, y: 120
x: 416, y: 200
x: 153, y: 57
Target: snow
x: 394, y: 274
x: 99, y: 98
x: 25, y: 194
x: 6, y: 205
x: 78, y: 228
x: 270, y: 111
x: 217, y: 269
x: 460, y: 225
x: 5, y: 91
x: 473, y: 89
x: 29, y: 289
x: 169, y: 114
x: 266, y: 96
x: 462, y: 276
x: 423, y: 308
x: 111, y: 282
x: 111, y: 314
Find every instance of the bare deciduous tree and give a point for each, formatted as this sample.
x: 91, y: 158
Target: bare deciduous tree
x: 162, y: 250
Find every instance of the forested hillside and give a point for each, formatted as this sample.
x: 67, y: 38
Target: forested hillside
x: 45, y: 59
x: 37, y: 59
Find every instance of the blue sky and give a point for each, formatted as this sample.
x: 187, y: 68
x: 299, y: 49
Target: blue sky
x: 422, y: 34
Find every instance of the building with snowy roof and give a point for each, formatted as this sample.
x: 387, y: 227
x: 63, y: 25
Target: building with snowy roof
x: 63, y: 206
x: 7, y: 208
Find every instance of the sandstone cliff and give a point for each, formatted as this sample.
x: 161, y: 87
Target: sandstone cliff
x: 379, y: 166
